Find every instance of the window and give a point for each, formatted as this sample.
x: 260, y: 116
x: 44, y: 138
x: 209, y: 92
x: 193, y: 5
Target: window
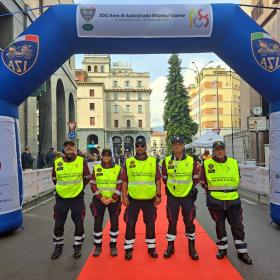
x: 128, y: 96
x: 92, y: 106
x: 116, y: 123
x: 127, y: 83
x: 89, y: 68
x: 139, y: 95
x: 139, y: 108
x: 140, y: 123
x: 128, y: 123
x: 139, y: 83
x: 116, y: 96
x: 102, y: 69
x: 95, y: 69
x: 127, y: 109
x: 116, y: 108
x: 91, y: 92
x: 92, y: 120
x: 115, y: 83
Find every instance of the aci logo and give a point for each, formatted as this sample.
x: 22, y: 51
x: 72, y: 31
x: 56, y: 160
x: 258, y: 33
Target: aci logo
x: 88, y: 14
x: 20, y: 56
x: 198, y: 18
x: 266, y: 51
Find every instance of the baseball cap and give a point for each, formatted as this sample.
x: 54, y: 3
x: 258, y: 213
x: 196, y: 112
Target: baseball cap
x: 218, y: 144
x: 69, y: 141
x: 140, y: 140
x: 177, y: 139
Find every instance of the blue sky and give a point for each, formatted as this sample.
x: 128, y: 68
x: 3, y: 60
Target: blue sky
x: 157, y: 64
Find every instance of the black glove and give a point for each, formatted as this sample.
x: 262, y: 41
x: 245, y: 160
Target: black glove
x: 193, y: 193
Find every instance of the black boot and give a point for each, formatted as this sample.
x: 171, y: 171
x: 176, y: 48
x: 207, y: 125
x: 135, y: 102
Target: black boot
x: 128, y: 254
x: 192, y: 250
x: 97, y: 251
x: 113, y: 248
x: 57, y: 252
x: 221, y: 253
x: 77, y: 251
x: 153, y: 253
x: 170, y: 250
x: 245, y: 258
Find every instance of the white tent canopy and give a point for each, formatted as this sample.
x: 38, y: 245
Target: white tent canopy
x: 206, y: 140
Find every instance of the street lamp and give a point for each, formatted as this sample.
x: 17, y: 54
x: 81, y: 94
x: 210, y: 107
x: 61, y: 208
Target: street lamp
x: 199, y: 87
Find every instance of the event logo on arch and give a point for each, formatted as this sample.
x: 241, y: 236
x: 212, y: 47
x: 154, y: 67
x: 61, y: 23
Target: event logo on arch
x: 266, y: 51
x: 20, y: 56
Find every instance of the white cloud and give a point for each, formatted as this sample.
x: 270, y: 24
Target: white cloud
x: 157, y: 100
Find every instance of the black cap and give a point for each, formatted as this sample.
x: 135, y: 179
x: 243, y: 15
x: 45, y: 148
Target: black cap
x: 178, y: 139
x: 69, y: 141
x: 218, y: 144
x: 140, y: 140
x: 106, y: 151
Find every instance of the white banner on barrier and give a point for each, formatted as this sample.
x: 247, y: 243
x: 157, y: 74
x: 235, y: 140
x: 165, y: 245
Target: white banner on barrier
x: 149, y: 21
x: 45, y: 180
x: 255, y: 179
x: 30, y: 184
x: 9, y: 186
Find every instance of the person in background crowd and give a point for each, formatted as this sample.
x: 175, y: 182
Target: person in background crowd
x: 206, y: 155
x: 26, y: 159
x: 41, y: 161
x: 50, y: 157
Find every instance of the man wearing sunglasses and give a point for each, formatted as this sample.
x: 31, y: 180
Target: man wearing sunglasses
x: 106, y: 186
x: 220, y: 177
x: 70, y: 175
x: 140, y: 191
x: 180, y: 175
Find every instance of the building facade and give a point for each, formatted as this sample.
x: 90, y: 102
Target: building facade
x: 158, y: 143
x: 113, y: 103
x: 269, y: 19
x: 216, y: 88
x: 43, y: 116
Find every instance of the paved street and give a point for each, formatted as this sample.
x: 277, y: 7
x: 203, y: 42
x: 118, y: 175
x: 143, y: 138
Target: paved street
x: 26, y: 253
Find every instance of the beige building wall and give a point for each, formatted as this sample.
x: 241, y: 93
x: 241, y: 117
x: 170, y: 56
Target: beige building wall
x: 121, y: 101
x: 228, y: 92
x: 158, y: 143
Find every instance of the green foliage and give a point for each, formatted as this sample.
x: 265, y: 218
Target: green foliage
x: 176, y: 117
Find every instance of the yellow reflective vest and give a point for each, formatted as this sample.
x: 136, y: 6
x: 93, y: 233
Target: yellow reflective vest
x: 69, y: 177
x: 107, y: 179
x: 222, y: 178
x: 141, y: 178
x: 179, y: 176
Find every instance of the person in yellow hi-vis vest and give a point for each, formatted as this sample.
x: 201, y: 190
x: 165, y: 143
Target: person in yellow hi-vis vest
x: 220, y: 177
x: 180, y: 175
x: 106, y: 186
x: 70, y: 175
x: 140, y: 191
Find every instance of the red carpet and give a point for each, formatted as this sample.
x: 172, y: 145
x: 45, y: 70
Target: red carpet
x: 142, y: 266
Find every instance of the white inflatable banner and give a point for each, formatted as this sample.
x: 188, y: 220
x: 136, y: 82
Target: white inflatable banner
x: 144, y: 21
x: 274, y: 173
x: 9, y: 186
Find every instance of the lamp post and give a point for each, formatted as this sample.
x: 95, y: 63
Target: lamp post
x: 199, y: 87
x: 217, y: 98
x: 231, y: 113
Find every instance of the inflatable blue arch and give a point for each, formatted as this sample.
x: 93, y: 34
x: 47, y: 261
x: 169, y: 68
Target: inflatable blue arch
x: 64, y: 30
